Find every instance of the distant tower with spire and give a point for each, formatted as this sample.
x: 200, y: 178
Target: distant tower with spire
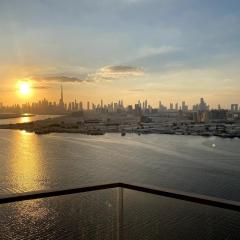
x: 61, y: 102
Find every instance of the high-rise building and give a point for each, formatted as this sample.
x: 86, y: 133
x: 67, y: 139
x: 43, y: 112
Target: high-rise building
x: 69, y: 107
x: 234, y: 107
x: 146, y: 104
x: 81, y: 106
x: 162, y: 107
x: 176, y: 106
x: 139, y: 103
x: 160, y: 104
x: 184, y: 106
x: 218, y: 114
x: 137, y: 109
x: 202, y: 106
x: 61, y: 102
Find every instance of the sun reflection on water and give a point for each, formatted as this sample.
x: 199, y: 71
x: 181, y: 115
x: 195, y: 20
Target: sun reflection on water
x: 25, y: 119
x: 26, y: 163
x: 27, y: 170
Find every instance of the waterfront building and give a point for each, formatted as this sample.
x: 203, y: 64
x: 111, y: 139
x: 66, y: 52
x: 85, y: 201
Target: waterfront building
x: 218, y: 114
x: 137, y: 109
x: 200, y: 116
x: 234, y: 107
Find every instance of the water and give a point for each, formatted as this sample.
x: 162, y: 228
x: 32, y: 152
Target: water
x: 105, y: 215
x: 190, y: 163
x: 29, y: 162
x: 26, y: 119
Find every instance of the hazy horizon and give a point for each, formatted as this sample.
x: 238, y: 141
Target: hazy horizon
x: 126, y: 49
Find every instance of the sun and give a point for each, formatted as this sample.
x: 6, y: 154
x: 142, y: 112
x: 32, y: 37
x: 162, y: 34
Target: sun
x: 24, y: 88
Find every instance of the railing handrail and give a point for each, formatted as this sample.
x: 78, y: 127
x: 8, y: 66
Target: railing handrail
x: 186, y: 196
x: 165, y: 192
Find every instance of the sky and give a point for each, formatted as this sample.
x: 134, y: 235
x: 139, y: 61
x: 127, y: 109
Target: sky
x: 168, y: 50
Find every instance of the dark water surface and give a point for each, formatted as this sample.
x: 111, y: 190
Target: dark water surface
x: 26, y: 119
x: 30, y: 162
x: 190, y: 163
x: 108, y: 214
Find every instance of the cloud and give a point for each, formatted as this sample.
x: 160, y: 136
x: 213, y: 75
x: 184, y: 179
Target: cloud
x: 151, y: 51
x: 159, y: 59
x: 105, y: 74
x: 40, y: 87
x: 61, y: 78
x: 117, y: 72
x: 121, y: 71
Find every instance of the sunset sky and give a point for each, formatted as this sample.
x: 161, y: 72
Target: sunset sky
x: 169, y: 50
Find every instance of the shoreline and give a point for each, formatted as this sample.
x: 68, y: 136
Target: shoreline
x: 29, y: 127
x: 4, y: 116
x: 97, y: 126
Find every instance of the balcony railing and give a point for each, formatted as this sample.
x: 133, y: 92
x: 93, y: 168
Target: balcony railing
x: 141, y: 212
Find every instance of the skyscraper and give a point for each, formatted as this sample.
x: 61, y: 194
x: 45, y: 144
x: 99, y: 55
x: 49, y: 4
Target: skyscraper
x: 176, y: 106
x: 61, y: 102
x: 184, y: 106
x: 234, y: 107
x: 202, y: 105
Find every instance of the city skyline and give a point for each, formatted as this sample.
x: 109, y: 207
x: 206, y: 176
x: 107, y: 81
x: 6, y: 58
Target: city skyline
x: 25, y: 91
x: 139, y: 49
x: 44, y: 105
